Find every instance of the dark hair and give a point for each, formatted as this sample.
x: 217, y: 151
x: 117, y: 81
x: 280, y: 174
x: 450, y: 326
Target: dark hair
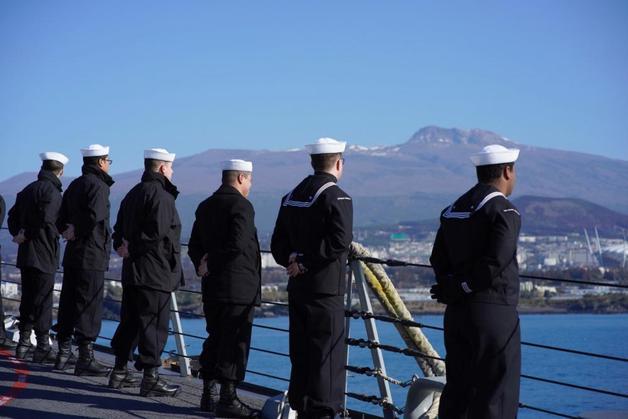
x: 52, y: 166
x: 489, y: 173
x: 230, y: 176
x: 323, y: 162
x: 150, y: 165
x: 93, y: 160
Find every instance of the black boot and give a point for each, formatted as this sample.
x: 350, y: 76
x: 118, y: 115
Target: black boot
x: 154, y: 386
x: 209, y: 398
x: 121, y: 376
x: 65, y: 356
x: 24, y: 349
x: 230, y: 406
x: 6, y: 343
x: 88, y: 365
x: 44, y: 353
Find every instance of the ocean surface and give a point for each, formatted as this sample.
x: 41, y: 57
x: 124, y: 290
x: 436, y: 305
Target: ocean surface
x: 604, y: 334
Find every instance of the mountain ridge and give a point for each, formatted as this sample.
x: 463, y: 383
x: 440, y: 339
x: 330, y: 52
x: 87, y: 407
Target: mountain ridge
x: 412, y: 180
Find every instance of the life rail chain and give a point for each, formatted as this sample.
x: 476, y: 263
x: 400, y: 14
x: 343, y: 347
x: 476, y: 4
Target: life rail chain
x: 365, y: 315
x: 370, y: 372
x: 368, y: 399
x: 406, y: 351
x: 368, y: 315
x: 401, y: 263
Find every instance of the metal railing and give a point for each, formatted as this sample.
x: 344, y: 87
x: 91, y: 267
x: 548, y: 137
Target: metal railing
x: 384, y: 399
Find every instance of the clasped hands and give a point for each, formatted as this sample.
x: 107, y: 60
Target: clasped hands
x: 294, y: 268
x: 448, y: 290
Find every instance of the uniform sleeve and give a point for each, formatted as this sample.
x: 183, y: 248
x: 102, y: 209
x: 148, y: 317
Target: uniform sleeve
x: 240, y: 224
x: 439, y: 259
x: 49, y: 206
x: 338, y: 237
x: 157, y: 221
x: 14, y: 219
x: 3, y: 210
x: 94, y: 212
x: 195, y: 245
x: 118, y: 227
x: 500, y: 250
x: 280, y: 242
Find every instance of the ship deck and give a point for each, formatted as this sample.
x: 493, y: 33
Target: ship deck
x: 29, y: 390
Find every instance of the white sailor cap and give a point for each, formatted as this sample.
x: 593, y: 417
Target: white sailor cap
x: 158, y: 154
x: 326, y: 146
x: 237, y: 165
x: 95, y: 150
x: 495, y: 154
x: 53, y: 155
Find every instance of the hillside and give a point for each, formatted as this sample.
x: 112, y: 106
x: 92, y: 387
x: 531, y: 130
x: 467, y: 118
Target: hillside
x: 410, y: 181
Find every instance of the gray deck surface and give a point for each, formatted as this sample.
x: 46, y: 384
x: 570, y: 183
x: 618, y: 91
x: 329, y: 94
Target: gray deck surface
x: 59, y: 394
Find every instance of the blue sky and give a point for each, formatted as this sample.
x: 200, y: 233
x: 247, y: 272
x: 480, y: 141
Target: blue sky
x: 193, y: 75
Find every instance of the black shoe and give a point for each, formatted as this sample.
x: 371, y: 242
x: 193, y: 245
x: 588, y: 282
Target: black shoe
x: 24, y: 352
x: 24, y: 348
x: 65, y: 356
x: 87, y: 365
x: 210, y: 397
x: 44, y: 354
x: 120, y: 378
x: 6, y: 343
x: 230, y: 406
x: 154, y: 386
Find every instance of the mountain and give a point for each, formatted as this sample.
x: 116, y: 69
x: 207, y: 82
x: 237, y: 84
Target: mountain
x: 568, y: 215
x: 543, y: 216
x: 410, y: 181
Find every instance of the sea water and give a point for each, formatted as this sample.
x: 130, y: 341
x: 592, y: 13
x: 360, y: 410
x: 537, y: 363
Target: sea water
x: 604, y: 334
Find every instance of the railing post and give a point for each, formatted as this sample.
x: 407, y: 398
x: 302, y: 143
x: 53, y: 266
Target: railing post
x: 371, y: 333
x: 348, y: 328
x: 184, y: 361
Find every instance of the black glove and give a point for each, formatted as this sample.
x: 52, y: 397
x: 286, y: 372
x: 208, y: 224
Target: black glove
x: 449, y: 290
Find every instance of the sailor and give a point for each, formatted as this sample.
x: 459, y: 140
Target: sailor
x: 225, y: 251
x: 311, y: 239
x: 32, y: 223
x: 5, y: 342
x: 84, y: 223
x: 475, y: 262
x: 147, y: 235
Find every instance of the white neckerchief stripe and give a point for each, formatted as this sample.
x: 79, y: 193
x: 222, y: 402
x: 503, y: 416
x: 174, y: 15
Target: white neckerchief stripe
x: 306, y: 204
x: 488, y: 198
x: 462, y: 215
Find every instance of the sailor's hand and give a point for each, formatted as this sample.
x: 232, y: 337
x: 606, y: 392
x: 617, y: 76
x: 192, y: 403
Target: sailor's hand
x: 20, y: 237
x: 449, y: 290
x: 436, y: 293
x: 202, y: 267
x: 293, y: 269
x: 68, y: 233
x: 123, y: 251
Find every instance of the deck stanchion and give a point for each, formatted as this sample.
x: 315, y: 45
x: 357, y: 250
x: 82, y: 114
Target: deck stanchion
x: 184, y: 360
x: 371, y: 333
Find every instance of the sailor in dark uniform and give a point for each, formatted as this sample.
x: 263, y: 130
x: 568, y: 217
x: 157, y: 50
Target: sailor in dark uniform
x: 5, y: 342
x: 32, y: 223
x: 84, y: 223
x: 225, y: 251
x: 311, y: 239
x: 475, y: 263
x: 147, y: 235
